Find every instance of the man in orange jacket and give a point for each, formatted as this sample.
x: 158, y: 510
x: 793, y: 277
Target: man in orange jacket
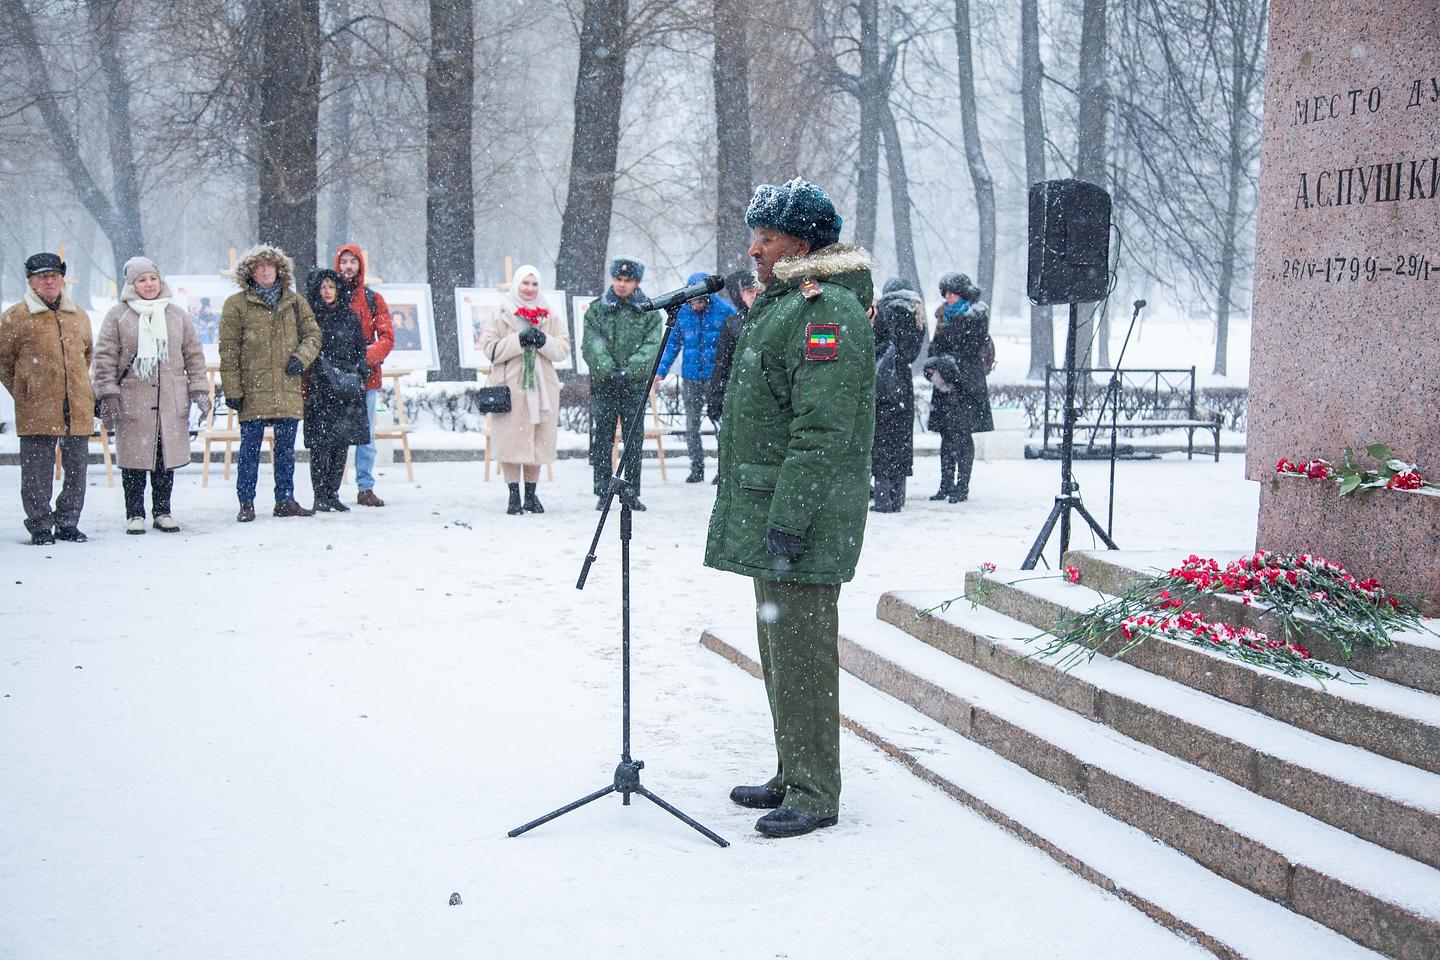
x: 379, y: 334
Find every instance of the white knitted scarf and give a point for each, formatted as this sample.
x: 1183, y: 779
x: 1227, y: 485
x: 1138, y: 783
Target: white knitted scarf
x: 153, y: 346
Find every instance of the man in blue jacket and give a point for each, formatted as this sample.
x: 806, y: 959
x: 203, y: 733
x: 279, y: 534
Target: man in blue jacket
x: 697, y: 331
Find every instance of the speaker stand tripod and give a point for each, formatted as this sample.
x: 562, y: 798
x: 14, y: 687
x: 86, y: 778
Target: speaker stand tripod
x: 1069, y: 497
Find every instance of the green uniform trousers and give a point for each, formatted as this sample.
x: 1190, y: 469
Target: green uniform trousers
x: 605, y: 406
x: 799, y: 631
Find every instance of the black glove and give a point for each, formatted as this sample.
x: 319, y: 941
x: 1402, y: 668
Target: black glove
x: 783, y: 544
x: 235, y: 403
x: 617, y: 379
x: 534, y: 337
x: 293, y: 367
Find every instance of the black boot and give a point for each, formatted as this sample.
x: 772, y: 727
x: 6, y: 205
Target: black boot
x: 532, y: 502
x: 514, y: 508
x: 947, y: 472
x: 697, y: 474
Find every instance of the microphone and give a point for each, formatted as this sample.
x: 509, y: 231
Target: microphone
x: 1139, y: 304
x: 667, y: 301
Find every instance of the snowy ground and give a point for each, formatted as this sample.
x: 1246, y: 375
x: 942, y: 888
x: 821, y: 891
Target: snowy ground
x: 297, y: 738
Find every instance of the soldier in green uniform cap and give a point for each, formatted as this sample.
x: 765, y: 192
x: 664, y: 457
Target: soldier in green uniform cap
x: 619, y: 346
x: 795, y: 438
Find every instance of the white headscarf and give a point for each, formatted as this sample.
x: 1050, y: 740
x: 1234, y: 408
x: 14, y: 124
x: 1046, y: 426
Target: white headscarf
x: 537, y: 398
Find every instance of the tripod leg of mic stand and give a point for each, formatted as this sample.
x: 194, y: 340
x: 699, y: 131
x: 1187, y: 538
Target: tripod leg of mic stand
x: 562, y: 811
x: 681, y: 816
x: 1038, y: 547
x: 1099, y: 531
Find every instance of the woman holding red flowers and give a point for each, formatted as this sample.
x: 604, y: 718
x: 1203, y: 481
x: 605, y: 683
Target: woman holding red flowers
x: 523, y: 341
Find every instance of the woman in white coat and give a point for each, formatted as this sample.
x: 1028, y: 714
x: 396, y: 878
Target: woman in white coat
x: 523, y: 341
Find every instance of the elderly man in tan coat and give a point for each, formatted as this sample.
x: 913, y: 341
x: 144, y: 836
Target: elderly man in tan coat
x: 45, y: 350
x: 268, y: 336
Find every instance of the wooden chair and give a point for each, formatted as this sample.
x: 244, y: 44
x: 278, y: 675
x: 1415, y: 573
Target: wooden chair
x: 654, y: 430
x: 228, y: 434
x: 103, y: 436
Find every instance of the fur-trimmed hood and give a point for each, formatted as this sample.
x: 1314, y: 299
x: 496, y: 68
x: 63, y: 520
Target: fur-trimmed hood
x: 824, y: 263
x: 284, y: 266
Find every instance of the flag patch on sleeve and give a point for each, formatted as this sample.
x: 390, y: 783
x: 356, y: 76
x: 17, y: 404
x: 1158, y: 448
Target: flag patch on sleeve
x: 822, y: 341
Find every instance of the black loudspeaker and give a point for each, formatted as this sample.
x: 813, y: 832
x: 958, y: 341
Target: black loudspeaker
x: 1069, y: 242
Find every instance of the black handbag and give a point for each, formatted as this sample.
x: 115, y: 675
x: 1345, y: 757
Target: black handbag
x: 492, y: 400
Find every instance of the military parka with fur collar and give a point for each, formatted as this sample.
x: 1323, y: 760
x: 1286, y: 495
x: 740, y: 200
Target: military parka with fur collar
x: 799, y: 422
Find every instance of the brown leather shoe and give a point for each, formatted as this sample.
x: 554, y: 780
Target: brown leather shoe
x: 367, y: 498
x: 246, y: 514
x: 289, y: 508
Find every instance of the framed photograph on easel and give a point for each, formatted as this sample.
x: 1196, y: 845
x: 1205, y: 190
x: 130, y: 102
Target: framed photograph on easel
x: 413, y: 314
x: 202, y: 297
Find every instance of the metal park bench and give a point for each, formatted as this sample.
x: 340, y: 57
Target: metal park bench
x: 1149, y: 401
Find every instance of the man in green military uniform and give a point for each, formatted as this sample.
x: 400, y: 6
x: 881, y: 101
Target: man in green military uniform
x: 619, y: 346
x: 795, y: 439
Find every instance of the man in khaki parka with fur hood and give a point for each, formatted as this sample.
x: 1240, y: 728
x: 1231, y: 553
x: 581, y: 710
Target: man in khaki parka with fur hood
x: 268, y: 337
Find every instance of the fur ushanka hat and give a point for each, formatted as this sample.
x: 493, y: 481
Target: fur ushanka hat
x: 798, y: 208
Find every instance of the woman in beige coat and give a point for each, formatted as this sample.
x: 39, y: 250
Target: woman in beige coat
x: 523, y: 341
x: 148, y: 369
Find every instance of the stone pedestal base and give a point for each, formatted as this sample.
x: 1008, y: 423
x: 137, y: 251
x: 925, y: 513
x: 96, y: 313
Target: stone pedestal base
x: 1393, y: 535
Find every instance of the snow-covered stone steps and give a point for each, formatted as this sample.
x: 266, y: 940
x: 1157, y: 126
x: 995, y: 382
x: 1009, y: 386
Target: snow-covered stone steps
x: 1414, y: 660
x: 1390, y: 719
x: 1377, y: 897
x: 1223, y: 916
x: 1387, y: 802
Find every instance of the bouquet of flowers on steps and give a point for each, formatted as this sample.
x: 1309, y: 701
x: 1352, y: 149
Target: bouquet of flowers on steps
x: 1308, y: 595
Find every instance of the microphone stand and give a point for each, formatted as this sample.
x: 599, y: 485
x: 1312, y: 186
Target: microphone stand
x: 1112, y: 397
x: 627, y: 775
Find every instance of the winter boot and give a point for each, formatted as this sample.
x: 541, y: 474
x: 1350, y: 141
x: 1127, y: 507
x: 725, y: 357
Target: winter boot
x: 532, y: 502
x: 164, y: 523
x: 697, y: 474
x: 70, y: 535
x: 135, y: 526
x: 368, y: 498
x: 247, y: 512
x: 947, y: 476
x: 514, y: 509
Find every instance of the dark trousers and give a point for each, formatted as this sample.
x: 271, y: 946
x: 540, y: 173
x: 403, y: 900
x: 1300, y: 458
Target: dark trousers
x: 798, y: 627
x: 252, y: 435
x: 162, y: 482
x: 957, y: 459
x: 605, y: 406
x: 37, y: 481
x: 327, y: 467
x: 693, y: 393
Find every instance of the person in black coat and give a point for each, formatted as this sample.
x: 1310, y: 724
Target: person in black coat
x: 958, y: 365
x: 335, y: 414
x: 899, y: 333
x: 741, y: 289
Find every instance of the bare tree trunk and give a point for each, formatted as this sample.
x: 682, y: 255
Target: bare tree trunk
x: 899, y: 198
x: 121, y: 224
x: 450, y: 194
x: 342, y: 123
x: 1090, y: 136
x: 732, y: 135
x: 1032, y: 75
x: 595, y: 147
x: 872, y: 94
x: 289, y: 128
x: 974, y: 155
x: 125, y: 183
